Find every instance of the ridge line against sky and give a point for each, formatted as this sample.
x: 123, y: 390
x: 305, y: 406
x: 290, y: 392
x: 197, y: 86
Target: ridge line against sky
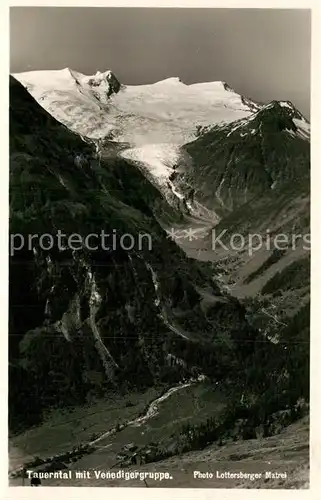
x: 261, y: 53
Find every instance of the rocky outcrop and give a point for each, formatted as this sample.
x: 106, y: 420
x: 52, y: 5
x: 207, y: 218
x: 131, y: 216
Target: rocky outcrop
x: 107, y: 80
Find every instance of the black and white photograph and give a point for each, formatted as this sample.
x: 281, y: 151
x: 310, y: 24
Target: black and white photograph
x: 159, y: 248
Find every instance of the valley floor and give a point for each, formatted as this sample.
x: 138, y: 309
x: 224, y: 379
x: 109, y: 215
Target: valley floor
x: 148, y: 419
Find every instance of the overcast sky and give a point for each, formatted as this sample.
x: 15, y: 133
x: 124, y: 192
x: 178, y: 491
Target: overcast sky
x: 261, y: 53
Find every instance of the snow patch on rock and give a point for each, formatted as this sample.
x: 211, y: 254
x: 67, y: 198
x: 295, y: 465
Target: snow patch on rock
x: 160, y: 161
x: 303, y: 128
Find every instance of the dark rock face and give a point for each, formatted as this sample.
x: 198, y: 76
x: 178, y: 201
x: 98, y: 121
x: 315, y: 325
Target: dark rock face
x: 110, y: 78
x: 114, y: 84
x: 85, y: 321
x: 242, y: 161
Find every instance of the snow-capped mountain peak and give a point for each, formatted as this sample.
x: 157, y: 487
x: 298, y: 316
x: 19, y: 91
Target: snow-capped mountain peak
x: 76, y: 100
x: 154, y: 120
x: 173, y: 80
x: 106, y: 81
x: 167, y: 111
x: 68, y: 79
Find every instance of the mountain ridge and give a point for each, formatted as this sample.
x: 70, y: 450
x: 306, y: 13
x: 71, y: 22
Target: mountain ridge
x: 44, y: 85
x: 157, y: 125
x: 108, y: 313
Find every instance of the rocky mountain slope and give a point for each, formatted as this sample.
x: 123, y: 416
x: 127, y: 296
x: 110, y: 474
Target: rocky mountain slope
x: 84, y: 320
x: 255, y: 175
x: 256, y: 156
x: 96, y: 323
